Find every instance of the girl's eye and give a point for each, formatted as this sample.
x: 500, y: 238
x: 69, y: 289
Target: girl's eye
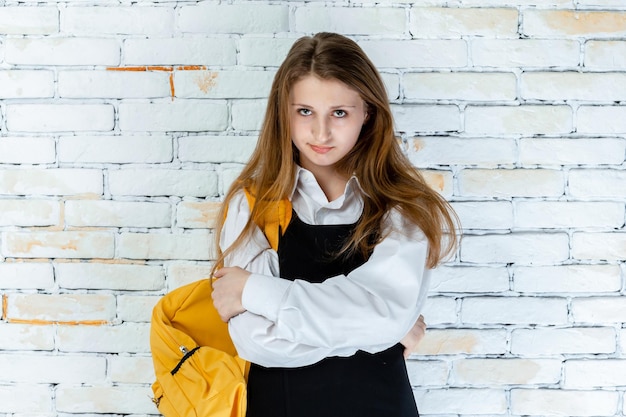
x: 339, y: 113
x: 304, y: 112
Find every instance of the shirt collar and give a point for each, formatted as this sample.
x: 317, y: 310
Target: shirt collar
x: 353, y: 185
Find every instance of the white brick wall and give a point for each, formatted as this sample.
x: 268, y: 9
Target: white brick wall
x: 122, y: 123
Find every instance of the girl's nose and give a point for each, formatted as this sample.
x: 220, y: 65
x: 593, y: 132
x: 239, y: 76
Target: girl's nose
x: 322, y: 130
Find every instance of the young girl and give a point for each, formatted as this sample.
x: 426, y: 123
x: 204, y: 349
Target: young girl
x: 320, y: 318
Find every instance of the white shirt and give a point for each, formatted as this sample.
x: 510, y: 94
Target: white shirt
x: 297, y: 323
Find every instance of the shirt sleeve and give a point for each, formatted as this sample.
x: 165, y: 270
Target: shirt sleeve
x: 256, y: 255
x: 296, y: 323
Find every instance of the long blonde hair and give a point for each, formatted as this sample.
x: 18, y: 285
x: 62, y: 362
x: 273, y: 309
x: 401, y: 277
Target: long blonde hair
x: 386, y: 175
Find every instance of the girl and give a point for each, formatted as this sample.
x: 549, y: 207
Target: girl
x: 354, y: 260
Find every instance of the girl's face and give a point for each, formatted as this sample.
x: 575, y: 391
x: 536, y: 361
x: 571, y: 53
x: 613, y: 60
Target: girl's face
x: 326, y: 117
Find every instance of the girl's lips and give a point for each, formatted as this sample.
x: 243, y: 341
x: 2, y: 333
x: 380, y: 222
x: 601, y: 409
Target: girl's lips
x: 321, y: 149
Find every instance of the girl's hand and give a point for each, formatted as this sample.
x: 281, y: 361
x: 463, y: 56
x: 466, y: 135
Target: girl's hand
x: 414, y: 336
x: 227, y: 291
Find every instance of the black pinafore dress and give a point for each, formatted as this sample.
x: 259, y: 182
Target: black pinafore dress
x: 361, y: 385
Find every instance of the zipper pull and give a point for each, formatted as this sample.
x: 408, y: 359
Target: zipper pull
x: 183, y: 349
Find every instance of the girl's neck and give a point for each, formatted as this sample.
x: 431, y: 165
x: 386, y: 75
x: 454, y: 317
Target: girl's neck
x: 332, y: 182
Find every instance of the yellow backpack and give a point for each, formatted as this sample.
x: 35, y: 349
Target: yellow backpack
x: 198, y: 372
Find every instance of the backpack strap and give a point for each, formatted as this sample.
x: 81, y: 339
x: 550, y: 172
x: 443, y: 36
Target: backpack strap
x: 275, y: 219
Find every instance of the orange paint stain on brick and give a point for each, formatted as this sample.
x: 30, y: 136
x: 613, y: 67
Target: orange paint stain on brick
x: 206, y: 81
x: 172, y: 88
x: 191, y: 68
x: 5, y: 306
x: 436, y: 181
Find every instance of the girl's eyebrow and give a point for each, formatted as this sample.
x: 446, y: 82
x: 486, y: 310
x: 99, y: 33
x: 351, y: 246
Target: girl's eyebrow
x: 341, y: 106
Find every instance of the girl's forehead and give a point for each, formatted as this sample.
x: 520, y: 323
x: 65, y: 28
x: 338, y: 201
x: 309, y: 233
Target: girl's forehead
x: 312, y: 85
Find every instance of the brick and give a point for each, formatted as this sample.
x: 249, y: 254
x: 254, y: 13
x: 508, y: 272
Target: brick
x: 122, y: 399
x: 601, y: 119
x: 459, y: 341
x: 180, y: 51
x: 29, y: 20
x: 524, y: 119
x: 452, y: 22
x: 165, y: 246
x: 163, y: 182
x: 597, y: 183
x: 610, y: 309
x: 524, y: 53
x: 519, y: 248
x: 605, y: 54
x: 599, y: 246
x: 29, y: 212
x: 506, y: 371
x: 181, y: 115
x: 429, y: 151
x: 351, y: 20
x: 248, y: 115
x: 61, y: 307
x: 62, y: 51
x: 136, y: 308
x: 117, y: 213
x: 427, y: 118
x: 113, y: 84
x: 50, y: 181
x: 179, y: 274
x: 469, y: 86
x: 26, y: 399
x: 392, y: 85
x: 572, y: 151
x: 588, y: 340
x: 26, y: 337
x: 223, y: 84
x: 27, y: 150
x: 227, y: 178
x: 26, y: 275
x: 568, y: 214
x: 573, y: 86
x: 101, y: 276
x: 469, y: 279
x: 263, y: 52
x: 436, y: 53
x: 425, y: 373
x: 57, y: 244
x: 558, y: 402
x: 123, y: 338
x: 559, y: 23
x: 440, y: 310
x: 131, y: 370
x: 118, y: 20
x: 59, y: 117
x: 511, y: 183
x: 492, y: 215
x: 461, y: 401
x: 197, y: 214
x: 26, y: 83
x: 440, y: 181
x: 567, y: 278
x: 594, y: 373
x: 516, y: 310
x: 115, y: 149
x: 235, y: 18
x: 52, y: 369
x: 216, y: 149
